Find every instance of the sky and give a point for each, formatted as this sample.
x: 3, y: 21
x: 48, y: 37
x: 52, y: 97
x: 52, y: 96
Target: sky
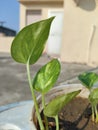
x: 9, y: 13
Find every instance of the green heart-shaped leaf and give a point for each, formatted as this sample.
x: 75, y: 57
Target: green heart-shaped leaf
x: 93, y: 97
x: 88, y: 79
x: 54, y: 107
x: 29, y: 43
x: 47, y: 76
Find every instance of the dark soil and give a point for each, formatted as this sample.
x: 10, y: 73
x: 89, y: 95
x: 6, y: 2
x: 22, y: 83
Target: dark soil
x: 75, y: 116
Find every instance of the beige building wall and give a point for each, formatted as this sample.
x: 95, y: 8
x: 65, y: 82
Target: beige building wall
x: 44, y: 6
x: 22, y: 16
x: 5, y: 44
x: 80, y: 36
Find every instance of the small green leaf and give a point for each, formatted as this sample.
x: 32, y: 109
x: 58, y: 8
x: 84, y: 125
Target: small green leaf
x: 54, y: 107
x: 47, y: 76
x: 88, y: 79
x: 29, y: 43
x: 93, y: 97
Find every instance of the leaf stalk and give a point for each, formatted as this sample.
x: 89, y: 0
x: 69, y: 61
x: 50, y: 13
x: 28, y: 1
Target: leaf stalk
x: 57, y: 122
x: 43, y: 105
x: 34, y: 97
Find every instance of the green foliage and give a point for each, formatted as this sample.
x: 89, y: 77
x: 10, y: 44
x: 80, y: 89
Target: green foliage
x: 27, y: 48
x: 47, y: 76
x: 93, y: 97
x: 53, y: 108
x: 29, y: 43
x: 88, y: 79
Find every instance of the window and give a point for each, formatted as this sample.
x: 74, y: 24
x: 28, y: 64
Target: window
x: 33, y: 16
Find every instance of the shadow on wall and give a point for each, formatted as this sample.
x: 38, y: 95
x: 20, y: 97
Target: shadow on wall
x: 88, y: 5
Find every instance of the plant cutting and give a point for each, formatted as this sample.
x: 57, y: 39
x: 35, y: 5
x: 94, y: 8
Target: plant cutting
x: 88, y: 79
x: 55, y: 106
x: 26, y: 48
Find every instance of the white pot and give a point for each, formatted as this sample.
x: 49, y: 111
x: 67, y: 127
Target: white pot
x: 59, y: 90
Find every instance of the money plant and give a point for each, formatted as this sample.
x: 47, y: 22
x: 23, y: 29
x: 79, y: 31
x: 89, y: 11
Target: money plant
x: 27, y: 48
x: 89, y: 79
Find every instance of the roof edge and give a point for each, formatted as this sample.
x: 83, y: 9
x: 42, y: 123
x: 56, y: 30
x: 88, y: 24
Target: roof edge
x: 41, y: 1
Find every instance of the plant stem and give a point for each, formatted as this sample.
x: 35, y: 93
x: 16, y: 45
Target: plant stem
x: 93, y: 115
x: 57, y: 122
x: 96, y: 113
x: 34, y: 97
x: 43, y: 104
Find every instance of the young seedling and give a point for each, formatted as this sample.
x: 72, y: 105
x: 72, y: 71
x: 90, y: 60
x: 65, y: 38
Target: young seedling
x: 55, y: 106
x: 88, y: 79
x: 27, y: 48
x: 45, y: 80
x: 93, y: 97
